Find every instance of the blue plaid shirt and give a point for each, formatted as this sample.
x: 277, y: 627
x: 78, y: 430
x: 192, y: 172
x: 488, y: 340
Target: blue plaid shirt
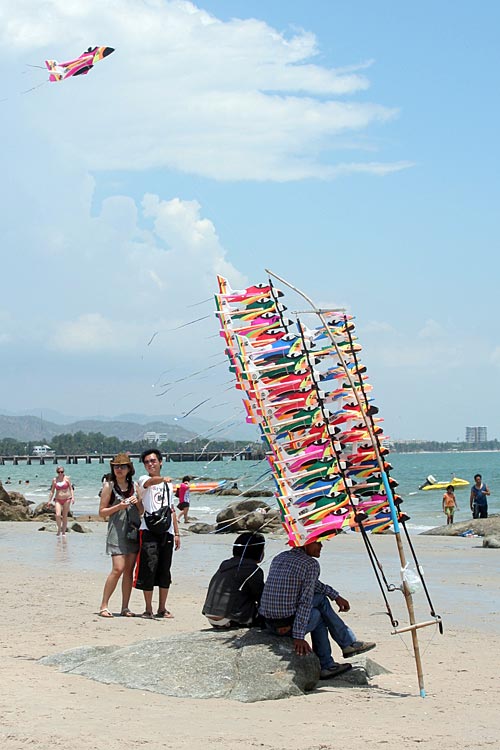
x: 291, y: 584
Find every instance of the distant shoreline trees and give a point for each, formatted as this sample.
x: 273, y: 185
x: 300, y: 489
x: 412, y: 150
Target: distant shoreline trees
x: 433, y: 446
x: 85, y: 443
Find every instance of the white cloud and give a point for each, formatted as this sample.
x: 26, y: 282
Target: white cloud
x: 145, y: 277
x: 378, y: 327
x: 431, y: 330
x: 433, y: 343
x: 184, y: 90
x: 91, y: 333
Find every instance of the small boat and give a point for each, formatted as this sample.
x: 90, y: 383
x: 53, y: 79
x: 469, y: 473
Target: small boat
x: 205, y: 488
x: 431, y: 483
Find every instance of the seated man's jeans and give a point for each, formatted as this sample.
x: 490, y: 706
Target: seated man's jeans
x: 323, y: 620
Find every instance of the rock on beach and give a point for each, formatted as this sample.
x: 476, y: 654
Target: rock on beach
x: 242, y: 665
x: 479, y: 526
x: 248, y: 515
x: 13, y: 506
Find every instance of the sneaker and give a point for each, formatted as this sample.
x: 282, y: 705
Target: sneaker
x: 335, y: 671
x: 358, y: 647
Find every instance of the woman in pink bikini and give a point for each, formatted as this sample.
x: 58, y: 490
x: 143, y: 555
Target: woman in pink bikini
x: 61, y: 494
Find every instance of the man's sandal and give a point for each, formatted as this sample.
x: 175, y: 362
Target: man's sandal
x: 164, y: 614
x: 105, y: 613
x: 127, y: 613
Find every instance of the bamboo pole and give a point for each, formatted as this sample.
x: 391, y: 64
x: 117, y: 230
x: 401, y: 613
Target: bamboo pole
x: 406, y: 591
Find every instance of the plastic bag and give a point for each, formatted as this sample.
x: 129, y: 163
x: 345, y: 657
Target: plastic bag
x: 410, y: 578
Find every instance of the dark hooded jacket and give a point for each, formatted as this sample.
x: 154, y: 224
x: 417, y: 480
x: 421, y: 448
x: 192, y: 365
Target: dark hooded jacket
x: 235, y: 590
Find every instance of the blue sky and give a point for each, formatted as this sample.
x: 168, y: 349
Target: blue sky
x: 350, y: 147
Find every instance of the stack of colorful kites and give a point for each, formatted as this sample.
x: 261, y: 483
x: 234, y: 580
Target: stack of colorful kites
x: 308, y: 393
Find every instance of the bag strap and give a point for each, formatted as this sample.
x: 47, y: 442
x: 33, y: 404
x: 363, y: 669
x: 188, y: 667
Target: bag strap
x: 165, y: 487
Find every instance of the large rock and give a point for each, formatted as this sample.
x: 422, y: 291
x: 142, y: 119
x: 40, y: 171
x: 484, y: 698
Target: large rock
x: 80, y: 528
x: 480, y: 526
x: 243, y: 665
x: 44, y: 509
x: 201, y: 528
x: 492, y: 542
x: 248, y: 515
x: 13, y: 506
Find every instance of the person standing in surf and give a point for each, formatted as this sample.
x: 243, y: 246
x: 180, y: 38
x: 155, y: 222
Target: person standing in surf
x: 449, y: 504
x: 62, y: 495
x: 183, y: 495
x: 478, y: 498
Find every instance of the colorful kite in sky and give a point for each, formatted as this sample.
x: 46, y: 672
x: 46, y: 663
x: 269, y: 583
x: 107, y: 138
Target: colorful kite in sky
x: 80, y: 66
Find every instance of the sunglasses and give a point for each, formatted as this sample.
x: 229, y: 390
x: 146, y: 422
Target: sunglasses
x: 60, y: 472
x: 121, y: 466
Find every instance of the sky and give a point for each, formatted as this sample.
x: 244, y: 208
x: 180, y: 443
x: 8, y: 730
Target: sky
x: 352, y: 148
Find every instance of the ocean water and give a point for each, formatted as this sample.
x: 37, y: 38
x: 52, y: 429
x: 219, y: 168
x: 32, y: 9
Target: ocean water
x: 410, y: 471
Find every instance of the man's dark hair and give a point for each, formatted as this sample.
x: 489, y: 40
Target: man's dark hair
x: 477, y: 476
x: 149, y: 451
x: 249, y: 545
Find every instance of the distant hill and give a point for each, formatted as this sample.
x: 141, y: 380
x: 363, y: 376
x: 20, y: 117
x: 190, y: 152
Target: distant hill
x: 49, y: 422
x: 31, y: 428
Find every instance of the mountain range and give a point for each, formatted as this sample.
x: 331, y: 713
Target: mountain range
x: 124, y: 426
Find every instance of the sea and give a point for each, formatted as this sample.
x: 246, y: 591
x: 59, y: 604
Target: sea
x: 410, y: 471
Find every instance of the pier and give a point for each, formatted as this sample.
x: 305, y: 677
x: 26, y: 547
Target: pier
x: 101, y: 458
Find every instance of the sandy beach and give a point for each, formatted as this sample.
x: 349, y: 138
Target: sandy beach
x: 50, y: 605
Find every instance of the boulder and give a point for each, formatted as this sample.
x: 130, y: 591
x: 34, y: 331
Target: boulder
x: 13, y: 506
x: 243, y: 665
x: 492, y: 542
x: 201, y: 528
x: 265, y: 522
x: 80, y: 528
x: 258, y: 493
x: 479, y: 526
x: 233, y: 518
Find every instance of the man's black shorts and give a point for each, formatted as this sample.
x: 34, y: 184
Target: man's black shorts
x: 154, y: 561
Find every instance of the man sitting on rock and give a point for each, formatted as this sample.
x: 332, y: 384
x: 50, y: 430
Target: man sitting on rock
x: 295, y: 602
x: 234, y: 592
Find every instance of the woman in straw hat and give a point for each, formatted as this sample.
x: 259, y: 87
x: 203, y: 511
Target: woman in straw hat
x: 121, y: 507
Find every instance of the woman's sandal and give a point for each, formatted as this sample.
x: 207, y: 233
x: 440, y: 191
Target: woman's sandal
x: 164, y: 614
x: 105, y: 613
x: 127, y: 613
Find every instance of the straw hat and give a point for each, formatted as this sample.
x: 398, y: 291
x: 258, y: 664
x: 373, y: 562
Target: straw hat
x: 121, y: 458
